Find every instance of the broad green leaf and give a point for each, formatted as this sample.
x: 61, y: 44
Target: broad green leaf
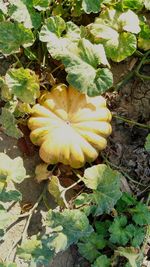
x: 82, y: 70
x: 41, y: 4
x: 116, y: 31
x: 12, y: 169
x: 129, y: 253
x: 80, y: 57
x: 72, y: 223
x: 147, y: 4
x: 141, y: 214
x: 105, y: 183
x: 91, y: 6
x: 59, y: 242
x: 144, y: 37
x: 24, y: 84
x: 36, y: 252
x: 132, y: 4
x: 54, y: 25
x: 137, y: 235
x: 21, y: 11
x: 102, y: 261
x: 125, y: 202
x: 11, y: 195
x: 147, y: 143
x: 102, y: 227
x: 122, y: 47
x: 118, y: 233
x: 94, y: 242
x: 56, y: 190
x: 12, y: 36
x: 8, y: 122
x: 3, y: 7
x: 8, y: 264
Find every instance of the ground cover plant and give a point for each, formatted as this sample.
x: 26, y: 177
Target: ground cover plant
x: 101, y: 205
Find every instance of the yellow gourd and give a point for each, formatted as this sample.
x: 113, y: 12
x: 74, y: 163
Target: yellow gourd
x: 70, y: 127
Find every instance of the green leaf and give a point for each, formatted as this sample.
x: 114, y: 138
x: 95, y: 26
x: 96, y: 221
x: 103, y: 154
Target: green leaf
x: 3, y: 7
x: 147, y: 143
x: 12, y: 169
x: 129, y: 253
x: 24, y: 84
x: 122, y: 47
x: 106, y: 185
x: 35, y: 251
x: 11, y: 195
x: 69, y: 224
x: 134, y: 4
x: 118, y: 233
x: 136, y: 233
x: 22, y: 11
x: 8, y: 122
x: 144, y: 37
x: 8, y: 264
x: 102, y: 261
x: 80, y: 57
x: 41, y: 5
x: 147, y: 4
x: 82, y: 69
x: 141, y: 214
x: 125, y: 202
x: 116, y: 31
x: 94, y: 242
x: 12, y: 36
x: 91, y: 6
x: 55, y: 189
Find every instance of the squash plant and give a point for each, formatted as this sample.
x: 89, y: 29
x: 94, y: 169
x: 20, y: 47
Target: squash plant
x: 78, y: 39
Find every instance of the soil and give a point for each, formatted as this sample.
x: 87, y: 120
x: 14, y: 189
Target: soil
x: 125, y: 151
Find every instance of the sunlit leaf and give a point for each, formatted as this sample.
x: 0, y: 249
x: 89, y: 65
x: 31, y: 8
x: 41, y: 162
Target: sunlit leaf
x: 55, y: 189
x: 147, y: 4
x: 41, y: 172
x: 24, y: 84
x: 105, y: 183
x: 3, y: 6
x: 132, y: 4
x: 8, y: 264
x: 8, y: 122
x: 41, y: 4
x: 116, y: 31
x: 91, y: 6
x: 12, y: 169
x: 22, y: 11
x: 80, y: 57
x: 129, y: 253
x: 12, y: 36
x: 35, y: 251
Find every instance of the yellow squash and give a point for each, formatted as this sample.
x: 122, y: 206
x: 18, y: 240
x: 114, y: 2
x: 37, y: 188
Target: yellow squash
x: 70, y: 127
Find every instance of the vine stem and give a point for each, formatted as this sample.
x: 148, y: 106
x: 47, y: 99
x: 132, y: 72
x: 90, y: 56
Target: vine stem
x: 132, y: 122
x: 68, y: 188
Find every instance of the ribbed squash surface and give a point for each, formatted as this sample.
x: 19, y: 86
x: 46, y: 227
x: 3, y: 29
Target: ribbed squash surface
x: 69, y: 126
